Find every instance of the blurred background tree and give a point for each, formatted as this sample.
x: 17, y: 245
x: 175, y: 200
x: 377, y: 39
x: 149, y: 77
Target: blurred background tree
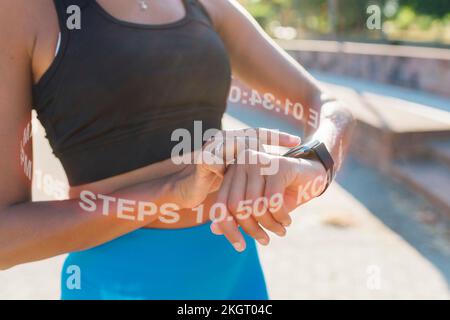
x: 426, y: 21
x: 435, y: 8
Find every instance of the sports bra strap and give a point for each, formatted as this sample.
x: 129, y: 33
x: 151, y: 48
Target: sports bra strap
x: 194, y: 10
x: 80, y: 3
x: 198, y: 12
x: 61, y: 9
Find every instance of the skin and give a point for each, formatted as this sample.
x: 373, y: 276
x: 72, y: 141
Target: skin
x: 33, y: 231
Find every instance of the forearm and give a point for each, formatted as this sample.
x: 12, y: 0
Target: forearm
x: 187, y: 218
x: 39, y: 230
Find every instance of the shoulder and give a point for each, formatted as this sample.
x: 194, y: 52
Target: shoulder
x: 19, y: 22
x: 221, y: 11
x: 20, y: 15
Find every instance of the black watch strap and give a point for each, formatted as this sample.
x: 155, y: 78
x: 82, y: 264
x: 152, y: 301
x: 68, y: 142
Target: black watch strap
x: 324, y: 156
x: 319, y: 151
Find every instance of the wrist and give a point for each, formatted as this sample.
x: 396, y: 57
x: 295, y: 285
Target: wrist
x: 159, y: 191
x: 310, y: 181
x: 171, y: 191
x: 314, y: 168
x: 316, y: 151
x: 312, y: 176
x: 317, y: 167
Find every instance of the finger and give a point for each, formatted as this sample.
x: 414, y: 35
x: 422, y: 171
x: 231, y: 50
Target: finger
x: 275, y: 193
x: 255, y: 191
x: 266, y: 136
x: 227, y: 225
x: 215, y: 229
x: 241, y: 210
x: 209, y: 164
x: 277, y: 138
x: 234, y: 142
x: 283, y: 214
x: 290, y: 200
x: 231, y: 232
x: 255, y: 194
x: 225, y: 148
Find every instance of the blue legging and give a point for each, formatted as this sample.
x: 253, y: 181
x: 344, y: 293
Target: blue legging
x: 155, y: 264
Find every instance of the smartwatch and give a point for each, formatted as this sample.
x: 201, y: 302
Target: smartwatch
x: 318, y: 151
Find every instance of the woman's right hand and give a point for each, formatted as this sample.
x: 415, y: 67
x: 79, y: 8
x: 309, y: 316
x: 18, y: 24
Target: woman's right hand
x: 204, y: 175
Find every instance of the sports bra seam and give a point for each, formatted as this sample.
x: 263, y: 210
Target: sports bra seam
x: 58, y: 60
x: 80, y: 147
x: 134, y: 25
x: 205, y: 12
x: 56, y: 64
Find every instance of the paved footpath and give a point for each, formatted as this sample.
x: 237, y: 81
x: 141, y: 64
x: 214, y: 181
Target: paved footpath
x: 337, y: 248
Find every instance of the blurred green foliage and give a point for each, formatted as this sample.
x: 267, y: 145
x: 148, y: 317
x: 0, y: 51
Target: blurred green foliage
x: 434, y: 8
x: 410, y: 20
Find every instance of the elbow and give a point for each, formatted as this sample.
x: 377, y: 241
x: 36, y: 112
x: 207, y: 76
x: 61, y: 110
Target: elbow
x: 8, y: 258
x: 9, y: 261
x: 350, y: 116
x: 4, y: 265
x: 338, y: 112
x: 351, y: 120
x: 344, y: 112
x: 4, y: 260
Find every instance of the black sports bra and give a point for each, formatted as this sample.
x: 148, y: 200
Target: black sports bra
x: 117, y: 90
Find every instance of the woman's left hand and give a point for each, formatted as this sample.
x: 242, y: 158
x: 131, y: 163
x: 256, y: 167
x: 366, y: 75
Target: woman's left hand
x: 257, y: 199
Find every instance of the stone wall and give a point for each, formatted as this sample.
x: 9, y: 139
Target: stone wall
x: 425, y: 69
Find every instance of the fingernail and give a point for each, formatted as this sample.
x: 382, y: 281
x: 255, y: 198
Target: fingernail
x: 281, y: 233
x: 263, y: 241
x: 215, y: 229
x: 238, y: 246
x: 286, y: 223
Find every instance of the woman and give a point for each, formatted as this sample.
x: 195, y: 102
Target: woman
x: 125, y: 76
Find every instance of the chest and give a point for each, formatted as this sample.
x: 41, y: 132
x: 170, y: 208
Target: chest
x: 139, y: 12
